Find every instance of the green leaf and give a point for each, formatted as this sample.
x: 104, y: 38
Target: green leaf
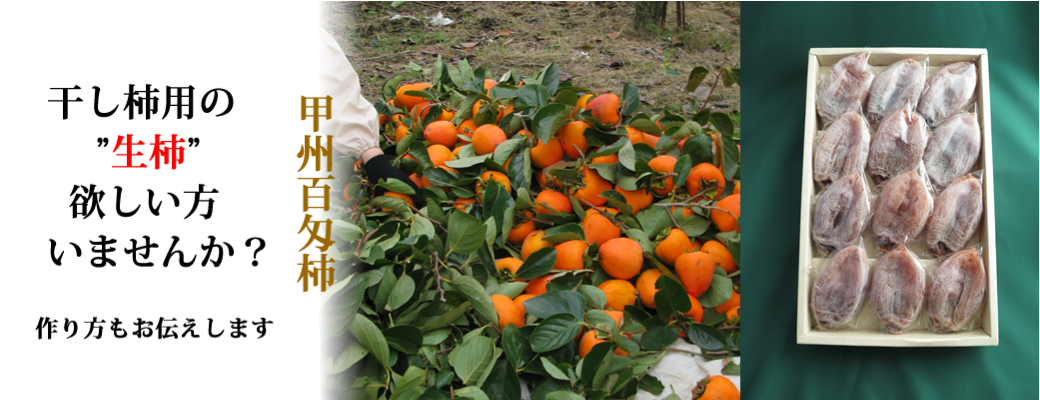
x: 447, y: 318
x: 537, y: 264
x: 617, y: 200
x: 731, y: 368
x: 698, y: 147
x: 369, y: 336
x: 609, y: 149
x: 515, y: 345
x: 520, y: 171
x: 703, y: 116
x: 455, y: 75
x: 468, y: 161
x: 630, y: 98
x: 600, y: 319
x: 644, y: 152
x: 550, y: 78
x: 418, y: 150
x: 531, y: 96
x: 350, y: 356
x: 730, y: 76
x: 498, y: 205
x: 432, y: 113
x: 465, y: 108
x: 563, y: 233
x: 547, y: 120
x: 563, y: 395
x: 720, y: 291
x: 593, y: 360
x: 503, y: 382
x: 554, y: 332
x: 722, y: 123
x: 486, y: 257
x: 389, y: 89
x: 594, y: 296
x: 509, y: 289
x: 733, y: 245
x: 659, y: 336
x: 404, y: 338
x: 346, y: 231
x: 627, y: 156
x: 653, y: 220
x: 471, y: 358
x: 401, y: 293
x: 524, y: 201
x: 491, y: 227
x: 465, y: 70
x: 606, y: 171
x: 707, y: 338
x: 440, y: 177
x: 422, y: 226
x: 548, y: 304
x: 465, y: 234
x: 553, y: 370
x: 671, y: 298
x: 712, y: 317
x: 694, y: 225
x: 696, y: 77
x: 343, y: 304
x: 435, y: 337
x: 644, y: 240
x: 651, y: 384
x: 731, y: 156
x: 502, y: 91
x: 505, y: 149
x: 629, y: 182
x: 472, y: 392
x: 386, y: 286
x: 476, y: 295
x: 682, y: 169
x: 325, y: 297
x: 392, y: 203
x: 396, y: 185
x: 646, y: 125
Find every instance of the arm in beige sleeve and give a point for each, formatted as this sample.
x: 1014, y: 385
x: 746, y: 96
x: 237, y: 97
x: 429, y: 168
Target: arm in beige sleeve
x: 354, y: 123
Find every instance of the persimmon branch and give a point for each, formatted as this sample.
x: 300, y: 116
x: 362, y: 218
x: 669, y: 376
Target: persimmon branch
x: 437, y: 273
x: 416, y: 212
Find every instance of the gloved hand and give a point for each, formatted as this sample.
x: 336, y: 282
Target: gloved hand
x: 378, y: 167
x: 355, y: 123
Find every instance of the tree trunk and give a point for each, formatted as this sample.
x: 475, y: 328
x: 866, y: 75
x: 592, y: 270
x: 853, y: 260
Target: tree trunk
x: 680, y: 16
x: 649, y: 15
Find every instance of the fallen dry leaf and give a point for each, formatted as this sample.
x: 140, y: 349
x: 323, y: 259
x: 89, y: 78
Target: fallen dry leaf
x: 468, y: 44
x: 614, y: 35
x: 505, y: 32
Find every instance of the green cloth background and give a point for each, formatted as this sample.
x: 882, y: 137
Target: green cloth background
x: 775, y: 42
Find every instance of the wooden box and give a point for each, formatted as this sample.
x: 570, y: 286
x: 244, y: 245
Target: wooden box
x: 867, y: 332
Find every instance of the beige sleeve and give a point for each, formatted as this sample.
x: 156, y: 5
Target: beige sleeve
x: 355, y: 123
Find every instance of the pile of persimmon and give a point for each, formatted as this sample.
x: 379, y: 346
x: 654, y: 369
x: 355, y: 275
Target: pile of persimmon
x: 631, y: 280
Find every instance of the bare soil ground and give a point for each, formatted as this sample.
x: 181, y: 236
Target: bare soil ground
x: 593, y: 43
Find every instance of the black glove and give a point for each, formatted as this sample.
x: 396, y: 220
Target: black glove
x: 379, y: 168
